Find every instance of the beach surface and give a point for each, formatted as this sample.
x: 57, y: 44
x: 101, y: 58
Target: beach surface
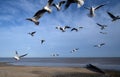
x: 7, y: 70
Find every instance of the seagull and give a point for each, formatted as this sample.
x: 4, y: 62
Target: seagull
x: 42, y: 41
x: 114, y: 18
x: 76, y: 29
x: 102, y: 26
x: 74, y: 50
x: 32, y: 33
x: 93, y: 9
x: 41, y: 12
x: 55, y: 55
x: 17, y: 57
x: 79, y: 3
x: 103, y: 32
x: 63, y: 28
x: 99, y: 45
x: 94, y: 68
x: 58, y: 6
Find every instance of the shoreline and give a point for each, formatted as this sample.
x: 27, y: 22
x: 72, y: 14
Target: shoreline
x: 8, y: 70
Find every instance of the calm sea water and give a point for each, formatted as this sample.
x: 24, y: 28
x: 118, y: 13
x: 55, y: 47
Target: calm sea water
x: 104, y: 63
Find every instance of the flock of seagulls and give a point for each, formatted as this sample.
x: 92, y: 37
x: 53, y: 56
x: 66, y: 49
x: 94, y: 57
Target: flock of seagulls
x: 58, y: 6
x: 80, y: 3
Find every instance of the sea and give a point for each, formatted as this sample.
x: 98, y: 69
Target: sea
x: 103, y: 63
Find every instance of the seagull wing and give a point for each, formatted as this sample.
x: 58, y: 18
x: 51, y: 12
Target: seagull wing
x: 39, y: 13
x: 74, y: 29
x: 33, y: 32
x: 102, y: 44
x: 68, y: 3
x: 60, y: 3
x: 23, y: 55
x: 99, y: 24
x: 67, y: 27
x: 49, y: 2
x: 99, y: 6
x: 111, y: 15
x: 42, y: 41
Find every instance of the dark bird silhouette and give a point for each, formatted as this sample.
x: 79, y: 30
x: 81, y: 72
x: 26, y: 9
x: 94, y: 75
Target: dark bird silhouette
x: 42, y: 41
x: 95, y: 69
x: 102, y: 26
x: 58, y: 6
x: 32, y: 33
x: 17, y: 57
x: 93, y: 9
x: 78, y: 2
x: 114, y: 18
x: 99, y: 45
x: 76, y: 29
x: 40, y: 13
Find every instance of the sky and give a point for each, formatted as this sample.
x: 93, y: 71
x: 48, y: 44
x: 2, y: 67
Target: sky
x: 14, y: 29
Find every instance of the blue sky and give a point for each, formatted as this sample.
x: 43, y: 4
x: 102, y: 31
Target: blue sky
x: 14, y: 29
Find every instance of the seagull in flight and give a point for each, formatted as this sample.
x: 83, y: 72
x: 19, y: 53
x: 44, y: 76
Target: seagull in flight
x: 55, y: 55
x: 102, y: 26
x: 103, y: 32
x: 58, y: 6
x: 18, y: 57
x: 94, y: 68
x: 99, y: 45
x: 41, y: 12
x: 93, y: 9
x: 74, y: 50
x: 63, y: 29
x: 78, y: 2
x: 76, y: 29
x: 114, y: 18
x: 32, y: 33
x: 42, y: 41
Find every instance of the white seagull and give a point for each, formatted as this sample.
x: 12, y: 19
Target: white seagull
x: 63, y: 29
x: 79, y: 3
x: 74, y: 50
x: 18, y: 57
x: 93, y: 9
x: 102, y: 26
x: 40, y: 13
x: 76, y: 29
x: 99, y: 45
x: 114, y: 18
x: 58, y: 6
x: 32, y: 33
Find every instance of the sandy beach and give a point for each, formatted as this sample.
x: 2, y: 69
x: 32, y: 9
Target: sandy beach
x: 7, y: 70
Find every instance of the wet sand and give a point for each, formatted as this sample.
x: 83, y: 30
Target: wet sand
x: 7, y: 70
